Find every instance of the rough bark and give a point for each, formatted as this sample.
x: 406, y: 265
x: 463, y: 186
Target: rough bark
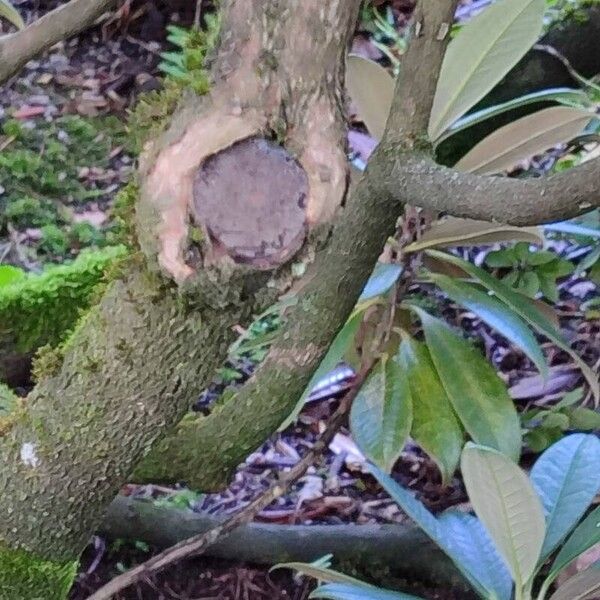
x: 399, y: 548
x: 238, y: 426
x: 19, y: 48
x: 139, y: 358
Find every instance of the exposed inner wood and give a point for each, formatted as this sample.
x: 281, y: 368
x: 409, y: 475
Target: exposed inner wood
x: 251, y: 199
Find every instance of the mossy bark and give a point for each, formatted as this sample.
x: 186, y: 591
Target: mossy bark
x: 137, y: 360
x: 129, y: 372
x: 41, y: 309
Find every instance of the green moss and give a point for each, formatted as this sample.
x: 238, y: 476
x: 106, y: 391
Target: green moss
x: 40, y: 309
x: 54, y: 241
x: 151, y: 114
x: 30, y: 212
x: 122, y: 214
x: 47, y: 362
x: 27, y: 577
x: 40, y: 171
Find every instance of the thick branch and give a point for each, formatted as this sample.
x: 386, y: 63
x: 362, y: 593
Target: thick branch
x: 66, y: 20
x: 333, y: 286
x: 514, y: 201
x: 135, y: 363
x: 369, y: 547
x: 415, y: 88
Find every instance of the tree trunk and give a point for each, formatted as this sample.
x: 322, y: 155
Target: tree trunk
x: 240, y: 191
x: 245, y: 188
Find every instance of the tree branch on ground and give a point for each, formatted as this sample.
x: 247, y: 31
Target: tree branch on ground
x: 16, y: 49
x: 196, y: 545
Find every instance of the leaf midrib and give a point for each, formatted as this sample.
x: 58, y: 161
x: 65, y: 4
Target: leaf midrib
x: 483, y: 56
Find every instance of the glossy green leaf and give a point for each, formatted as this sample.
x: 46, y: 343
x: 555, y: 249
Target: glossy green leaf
x: 435, y: 426
x: 10, y: 274
x: 340, y: 591
x: 508, y: 506
x: 583, y: 586
x: 584, y: 419
x: 473, y: 544
x: 525, y: 309
x: 566, y: 477
x: 371, y: 88
x: 10, y: 13
x: 483, y: 52
x: 341, y: 344
x: 523, y: 138
x: 441, y: 535
x: 496, y: 314
x: 452, y: 231
x: 566, y: 96
x: 478, y: 395
x: 381, y: 415
x: 380, y: 282
x: 586, y: 535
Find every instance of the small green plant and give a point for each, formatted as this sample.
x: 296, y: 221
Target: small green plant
x: 527, y: 529
x: 530, y: 271
x: 187, y: 63
x: 54, y: 242
x: 30, y: 212
x: 545, y: 426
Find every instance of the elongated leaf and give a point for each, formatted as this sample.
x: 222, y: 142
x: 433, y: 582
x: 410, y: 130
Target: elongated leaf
x: 382, y: 279
x: 371, y: 88
x: 525, y: 309
x: 340, y: 345
x: 340, y: 591
x: 472, y: 543
x: 434, y: 427
x: 478, y: 395
x: 496, y: 314
x: 586, y: 535
x: 381, y: 415
x: 10, y: 13
x: 573, y: 229
x: 583, y: 586
x: 453, y: 231
x: 566, y: 96
x: 508, y: 506
x: 566, y: 477
x: 483, y: 52
x: 322, y: 573
x: 524, y: 138
x: 432, y: 527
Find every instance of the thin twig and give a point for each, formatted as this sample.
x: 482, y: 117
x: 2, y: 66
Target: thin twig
x: 68, y: 19
x: 198, y: 544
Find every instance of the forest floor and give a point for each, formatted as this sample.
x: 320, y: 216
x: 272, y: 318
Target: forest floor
x: 65, y: 152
